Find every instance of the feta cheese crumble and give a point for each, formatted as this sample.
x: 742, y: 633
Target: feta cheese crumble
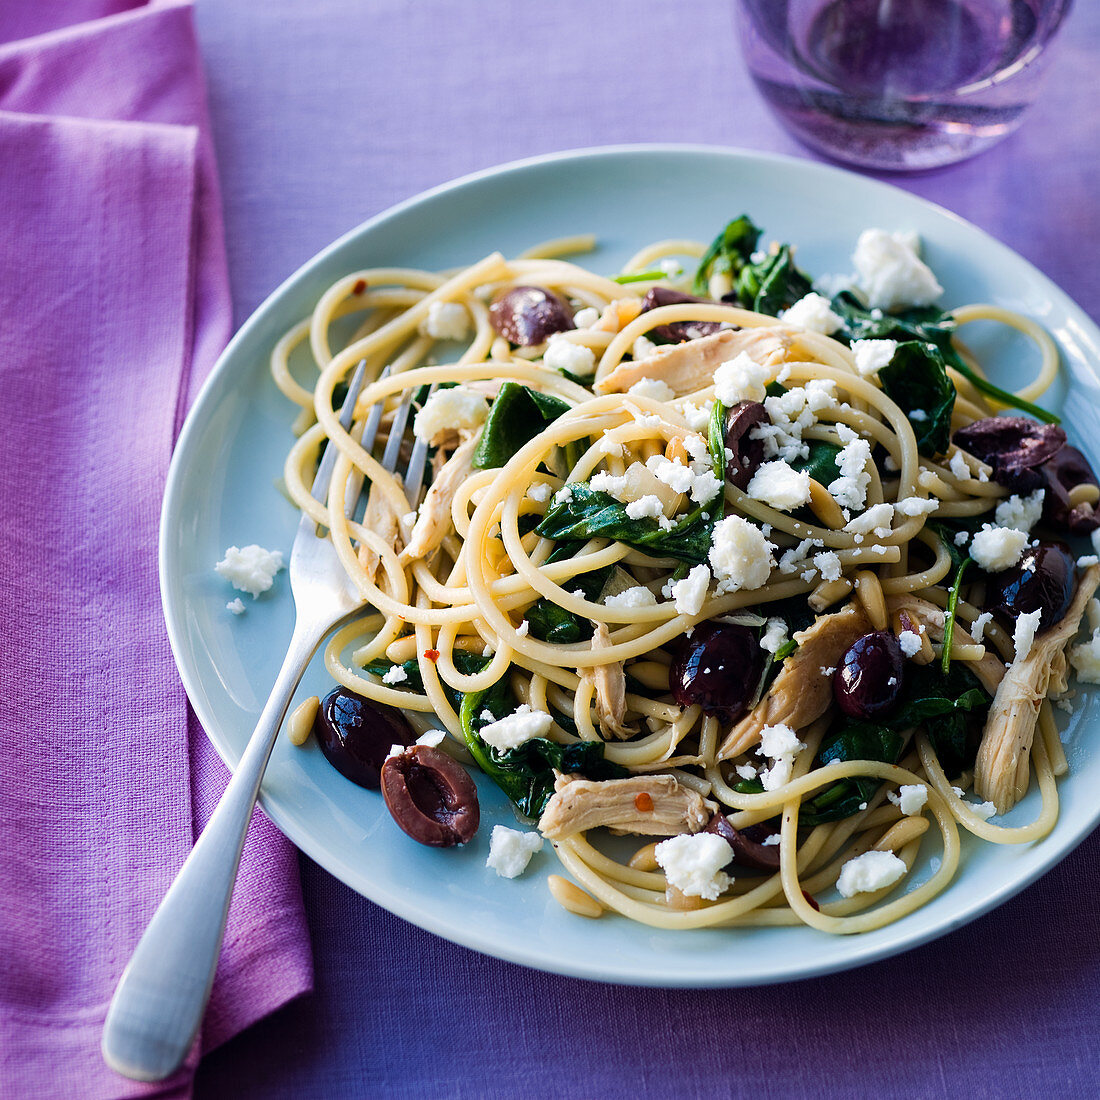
x: 1024, y: 633
x: 995, y: 549
x: 236, y: 606
x: 511, y: 850
x: 910, y: 798
x: 781, y: 744
x: 690, y: 593
x: 539, y: 492
x: 910, y: 642
x: 587, y: 317
x: 655, y: 388
x: 449, y: 410
x: 872, y: 355
x: 741, y: 379
x: 890, y: 273
x: 980, y: 623
x: 959, y: 467
x: 250, y: 568
x: 778, y: 484
x: 693, y: 864
x: 642, y: 348
x: 849, y: 490
x: 566, y: 355
x: 774, y: 636
x: 828, y: 565
x: 740, y: 555
x: 875, y: 520
x: 395, y: 675
x: 445, y: 321
x: 516, y: 729
x: 869, y: 872
x: 630, y: 598
x: 813, y: 312
x: 1020, y: 513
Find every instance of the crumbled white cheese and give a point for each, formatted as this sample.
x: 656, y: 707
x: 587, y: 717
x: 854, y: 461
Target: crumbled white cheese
x: 872, y: 355
x: 1024, y: 633
x: 564, y: 354
x: 995, y: 549
x: 587, y: 317
x: 778, y: 484
x: 980, y: 623
x: 916, y: 506
x: 449, y: 410
x: 236, y: 606
x: 740, y: 556
x: 745, y: 771
x: 250, y: 568
x: 395, y: 675
x: 741, y: 379
x: 697, y: 417
x: 961, y: 538
x: 959, y: 467
x: 523, y: 629
x: 563, y: 496
x: 813, y: 312
x: 876, y: 519
x: 910, y: 798
x: 849, y: 490
x: 769, y: 841
x: 918, y: 415
x: 629, y: 598
x: 539, y: 492
x: 910, y: 642
x: 675, y: 475
x: 432, y: 738
x: 774, y: 636
x: 649, y: 507
x: 693, y: 864
x: 655, y: 388
x: 613, y: 484
x: 828, y: 565
x: 643, y: 348
x: 690, y: 593
x: 984, y: 810
x: 1021, y: 513
x: 516, y: 728
x: 890, y: 464
x: 781, y: 744
x: 511, y: 850
x: 1085, y: 560
x: 790, y: 414
x: 827, y: 670
x: 1085, y: 659
x: 869, y: 872
x: 445, y: 321
x: 890, y: 273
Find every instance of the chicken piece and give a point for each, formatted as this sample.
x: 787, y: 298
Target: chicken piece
x: 434, y: 519
x: 690, y: 366
x: 649, y: 805
x: 989, y: 670
x: 610, y: 684
x: 382, y: 519
x: 800, y: 694
x: 1001, y: 770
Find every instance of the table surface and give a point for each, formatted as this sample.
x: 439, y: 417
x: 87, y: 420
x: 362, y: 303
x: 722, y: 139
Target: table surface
x: 328, y: 112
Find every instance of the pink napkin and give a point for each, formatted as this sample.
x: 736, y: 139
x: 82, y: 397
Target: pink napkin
x: 114, y: 303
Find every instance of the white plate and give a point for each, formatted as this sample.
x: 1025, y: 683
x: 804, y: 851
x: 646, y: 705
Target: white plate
x: 221, y: 491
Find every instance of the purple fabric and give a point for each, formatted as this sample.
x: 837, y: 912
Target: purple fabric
x: 326, y: 113
x: 113, y: 307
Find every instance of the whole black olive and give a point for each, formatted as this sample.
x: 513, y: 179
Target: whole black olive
x: 678, y: 331
x: 431, y: 797
x: 1014, y: 446
x: 748, y: 851
x: 748, y: 453
x: 868, y: 680
x: 1043, y: 581
x: 356, y: 735
x: 1065, y: 471
x: 527, y: 315
x: 718, y: 667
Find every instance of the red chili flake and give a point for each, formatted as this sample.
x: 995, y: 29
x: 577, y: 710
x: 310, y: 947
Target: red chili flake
x: 432, y: 654
x: 812, y: 902
x: 643, y: 802
x: 360, y: 286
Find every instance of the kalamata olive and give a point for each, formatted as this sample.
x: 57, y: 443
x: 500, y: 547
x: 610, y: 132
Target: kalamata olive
x: 1014, y: 446
x: 678, y: 331
x: 748, y: 453
x: 1066, y: 470
x: 747, y: 850
x: 431, y: 797
x: 1043, y: 581
x: 868, y: 680
x: 527, y: 315
x: 356, y: 735
x: 718, y: 667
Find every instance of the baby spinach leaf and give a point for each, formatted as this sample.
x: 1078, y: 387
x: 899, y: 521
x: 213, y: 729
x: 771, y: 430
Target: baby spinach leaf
x: 517, y: 415
x: 916, y: 380
x: 550, y: 623
x: 466, y: 663
x: 774, y: 284
x: 853, y: 741
x: 728, y: 252
x: 947, y: 707
x: 526, y: 773
x: 591, y: 513
x: 821, y: 464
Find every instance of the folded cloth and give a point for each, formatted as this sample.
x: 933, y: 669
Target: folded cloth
x: 113, y: 306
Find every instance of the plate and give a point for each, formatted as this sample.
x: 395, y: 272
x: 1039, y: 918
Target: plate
x: 221, y: 491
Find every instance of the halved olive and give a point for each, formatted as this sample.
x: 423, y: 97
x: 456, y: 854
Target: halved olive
x: 431, y: 797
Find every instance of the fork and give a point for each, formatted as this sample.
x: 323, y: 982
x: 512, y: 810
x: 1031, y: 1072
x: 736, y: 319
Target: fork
x: 162, y: 995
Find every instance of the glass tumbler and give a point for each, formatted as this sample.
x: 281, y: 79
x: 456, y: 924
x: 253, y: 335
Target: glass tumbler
x: 899, y: 84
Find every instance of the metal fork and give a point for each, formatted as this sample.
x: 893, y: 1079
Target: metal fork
x: 162, y: 995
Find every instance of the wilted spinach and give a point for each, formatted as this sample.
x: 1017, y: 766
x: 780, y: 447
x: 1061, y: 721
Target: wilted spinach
x: 821, y: 463
x: 916, y: 380
x: 550, y: 623
x: 728, y: 252
x: 853, y: 741
x: 517, y: 415
x: 773, y: 284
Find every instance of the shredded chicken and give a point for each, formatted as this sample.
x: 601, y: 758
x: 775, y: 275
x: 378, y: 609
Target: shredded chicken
x: 800, y: 694
x: 1002, y: 769
x: 650, y: 805
x: 382, y: 519
x: 690, y: 366
x: 434, y: 519
x: 989, y: 671
x: 610, y: 684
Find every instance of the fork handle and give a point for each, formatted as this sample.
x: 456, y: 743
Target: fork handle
x: 162, y: 995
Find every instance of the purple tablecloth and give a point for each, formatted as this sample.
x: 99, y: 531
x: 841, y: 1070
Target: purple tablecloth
x: 327, y: 112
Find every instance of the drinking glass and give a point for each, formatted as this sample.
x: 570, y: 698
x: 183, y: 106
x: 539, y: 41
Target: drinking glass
x: 899, y: 84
